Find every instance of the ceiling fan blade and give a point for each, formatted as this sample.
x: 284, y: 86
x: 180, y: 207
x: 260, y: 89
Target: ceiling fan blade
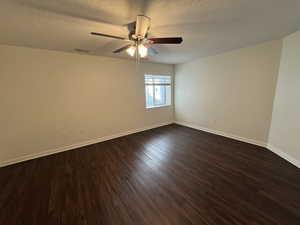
x: 142, y: 26
x: 121, y: 49
x: 168, y: 40
x: 108, y: 35
x: 152, y: 51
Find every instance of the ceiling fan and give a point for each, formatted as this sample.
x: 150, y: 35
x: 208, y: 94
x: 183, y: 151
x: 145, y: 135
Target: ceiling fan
x: 141, y: 45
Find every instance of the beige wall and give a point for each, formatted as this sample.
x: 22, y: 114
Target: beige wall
x: 285, y: 129
x: 51, y: 99
x: 232, y: 92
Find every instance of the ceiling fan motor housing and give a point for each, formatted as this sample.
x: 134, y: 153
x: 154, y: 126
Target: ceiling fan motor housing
x: 142, y: 26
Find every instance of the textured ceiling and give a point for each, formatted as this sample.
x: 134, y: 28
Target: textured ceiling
x: 208, y: 27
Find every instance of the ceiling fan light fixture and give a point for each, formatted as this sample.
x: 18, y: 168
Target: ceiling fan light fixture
x: 143, y: 51
x: 131, y: 50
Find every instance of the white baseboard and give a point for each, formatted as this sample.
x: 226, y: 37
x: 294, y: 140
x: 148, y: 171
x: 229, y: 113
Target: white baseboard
x: 284, y: 155
x: 221, y: 133
x: 101, y: 139
x: 78, y: 145
x: 270, y: 147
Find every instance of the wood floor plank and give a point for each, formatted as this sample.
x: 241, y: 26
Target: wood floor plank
x: 172, y: 175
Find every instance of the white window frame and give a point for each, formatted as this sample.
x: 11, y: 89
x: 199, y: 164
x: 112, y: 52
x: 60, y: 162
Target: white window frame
x: 158, y: 84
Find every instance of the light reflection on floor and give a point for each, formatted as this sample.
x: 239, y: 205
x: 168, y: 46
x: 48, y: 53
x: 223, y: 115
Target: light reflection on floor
x: 158, y: 152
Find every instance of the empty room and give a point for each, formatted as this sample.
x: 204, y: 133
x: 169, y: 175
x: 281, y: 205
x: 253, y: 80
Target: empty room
x: 150, y: 112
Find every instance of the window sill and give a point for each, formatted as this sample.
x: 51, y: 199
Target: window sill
x: 158, y: 106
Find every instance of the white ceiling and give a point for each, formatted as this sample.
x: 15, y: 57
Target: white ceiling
x: 208, y: 27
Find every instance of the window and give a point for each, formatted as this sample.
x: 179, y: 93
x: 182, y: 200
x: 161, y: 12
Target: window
x: 157, y: 90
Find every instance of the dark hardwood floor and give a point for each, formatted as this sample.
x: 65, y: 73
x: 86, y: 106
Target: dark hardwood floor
x: 165, y: 176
